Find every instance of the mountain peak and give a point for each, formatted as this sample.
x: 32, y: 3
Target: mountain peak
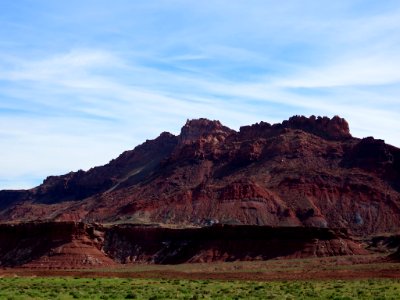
x: 336, y: 128
x: 332, y: 129
x: 197, y: 128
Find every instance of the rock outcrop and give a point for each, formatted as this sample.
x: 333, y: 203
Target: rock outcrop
x: 69, y: 245
x: 130, y: 244
x: 60, y: 245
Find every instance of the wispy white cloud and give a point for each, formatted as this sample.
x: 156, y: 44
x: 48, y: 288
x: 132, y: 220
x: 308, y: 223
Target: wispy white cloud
x: 106, y: 97
x: 106, y: 80
x: 76, y: 62
x: 74, y: 133
x: 355, y: 71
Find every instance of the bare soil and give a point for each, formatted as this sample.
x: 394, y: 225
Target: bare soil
x: 344, y: 268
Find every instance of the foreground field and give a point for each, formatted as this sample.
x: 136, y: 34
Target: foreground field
x: 119, y: 288
x: 348, y: 277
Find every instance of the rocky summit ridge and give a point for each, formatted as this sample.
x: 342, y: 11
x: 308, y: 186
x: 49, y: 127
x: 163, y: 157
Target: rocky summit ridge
x: 305, y: 171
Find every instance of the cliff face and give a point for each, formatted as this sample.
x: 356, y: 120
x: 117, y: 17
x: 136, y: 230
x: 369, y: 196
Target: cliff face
x: 68, y: 245
x: 59, y: 245
x: 302, y: 172
x: 129, y: 244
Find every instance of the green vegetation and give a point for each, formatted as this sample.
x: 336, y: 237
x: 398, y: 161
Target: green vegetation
x: 117, y: 288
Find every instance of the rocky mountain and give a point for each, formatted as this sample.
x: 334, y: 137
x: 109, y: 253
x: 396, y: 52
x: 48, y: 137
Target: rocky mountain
x: 301, y: 172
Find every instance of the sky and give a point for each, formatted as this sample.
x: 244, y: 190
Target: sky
x: 81, y: 81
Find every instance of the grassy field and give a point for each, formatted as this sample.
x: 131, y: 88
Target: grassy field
x: 120, y: 288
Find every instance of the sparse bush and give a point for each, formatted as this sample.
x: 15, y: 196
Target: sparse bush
x: 130, y: 296
x: 114, y: 288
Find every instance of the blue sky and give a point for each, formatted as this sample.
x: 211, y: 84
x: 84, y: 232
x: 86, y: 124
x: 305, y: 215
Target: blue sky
x: 82, y: 81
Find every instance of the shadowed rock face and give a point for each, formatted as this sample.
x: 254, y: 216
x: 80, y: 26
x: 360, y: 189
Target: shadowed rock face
x: 301, y: 172
x: 127, y: 244
x: 61, y: 245
x: 68, y: 245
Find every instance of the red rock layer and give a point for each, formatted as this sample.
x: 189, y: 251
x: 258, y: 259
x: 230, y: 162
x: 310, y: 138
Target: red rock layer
x: 52, y: 245
x: 131, y: 244
x: 67, y: 245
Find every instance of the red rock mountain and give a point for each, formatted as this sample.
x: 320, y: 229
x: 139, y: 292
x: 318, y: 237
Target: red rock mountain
x: 302, y: 172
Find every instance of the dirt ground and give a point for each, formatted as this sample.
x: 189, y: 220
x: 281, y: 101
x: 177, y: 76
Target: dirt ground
x: 350, y: 267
